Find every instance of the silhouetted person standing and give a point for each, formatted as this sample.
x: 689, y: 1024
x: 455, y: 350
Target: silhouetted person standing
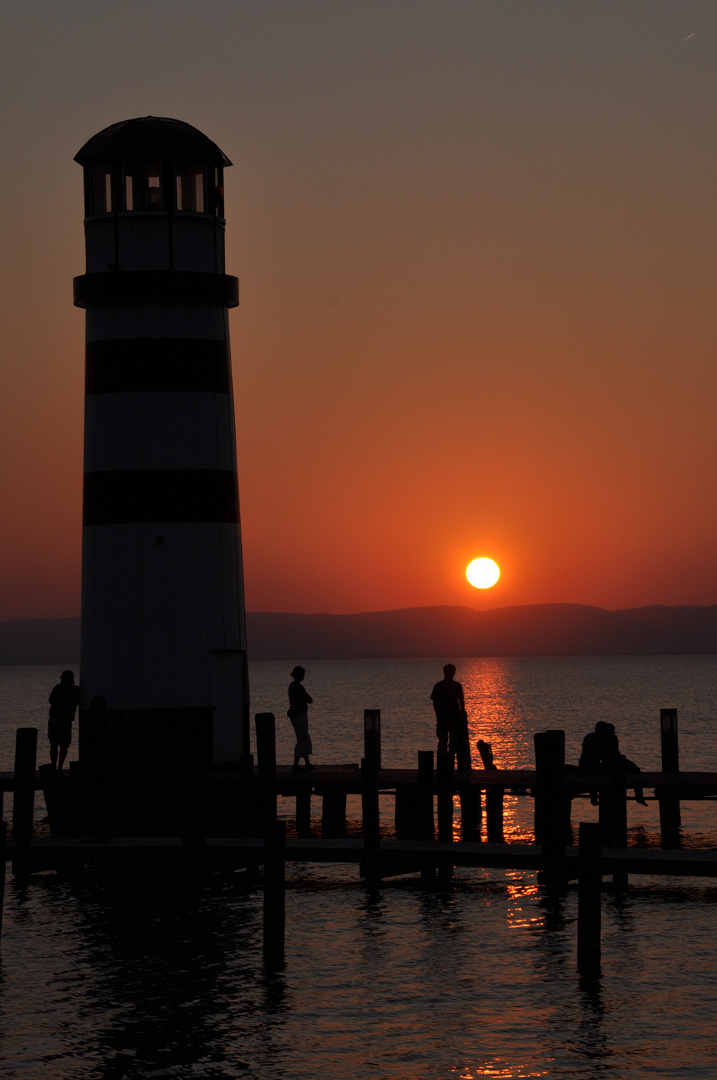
x: 64, y: 699
x: 298, y: 713
x: 451, y: 718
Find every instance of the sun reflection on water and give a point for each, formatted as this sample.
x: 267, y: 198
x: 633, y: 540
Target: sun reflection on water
x: 499, y: 1070
x: 498, y: 711
x: 521, y: 893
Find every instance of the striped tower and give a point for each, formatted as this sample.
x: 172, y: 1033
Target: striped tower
x: 163, y: 622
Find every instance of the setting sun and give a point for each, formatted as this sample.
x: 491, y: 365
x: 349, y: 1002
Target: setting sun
x: 483, y: 573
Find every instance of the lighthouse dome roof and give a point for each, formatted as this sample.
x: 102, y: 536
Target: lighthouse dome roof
x: 151, y: 136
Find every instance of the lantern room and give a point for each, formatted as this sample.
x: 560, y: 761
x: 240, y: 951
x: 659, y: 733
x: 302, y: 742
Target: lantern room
x: 154, y: 197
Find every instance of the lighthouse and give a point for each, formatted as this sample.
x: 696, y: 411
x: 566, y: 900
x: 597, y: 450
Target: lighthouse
x: 163, y: 618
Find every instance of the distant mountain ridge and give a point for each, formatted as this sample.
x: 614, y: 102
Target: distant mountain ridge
x: 529, y: 630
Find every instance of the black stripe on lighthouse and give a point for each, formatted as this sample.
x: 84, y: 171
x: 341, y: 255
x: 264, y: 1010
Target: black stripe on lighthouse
x: 155, y: 287
x: 126, y: 365
x: 140, y: 496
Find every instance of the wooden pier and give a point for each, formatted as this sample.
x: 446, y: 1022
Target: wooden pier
x: 331, y: 784
x: 422, y: 841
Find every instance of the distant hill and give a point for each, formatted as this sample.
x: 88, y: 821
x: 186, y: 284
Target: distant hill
x: 533, y: 630
x: 40, y: 641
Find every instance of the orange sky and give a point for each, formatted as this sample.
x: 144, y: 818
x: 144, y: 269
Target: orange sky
x: 476, y: 245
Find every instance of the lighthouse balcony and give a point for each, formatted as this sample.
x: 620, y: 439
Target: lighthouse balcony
x: 139, y: 240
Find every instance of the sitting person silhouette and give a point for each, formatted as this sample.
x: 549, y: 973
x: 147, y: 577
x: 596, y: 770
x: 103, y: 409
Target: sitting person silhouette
x: 601, y: 753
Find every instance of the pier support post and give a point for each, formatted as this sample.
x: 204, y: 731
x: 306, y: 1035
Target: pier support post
x: 550, y: 806
x: 669, y: 741
x: 407, y: 815
x: 75, y: 797
x: 266, y: 745
x: 493, y: 796
x: 470, y: 812
x: 444, y: 778
x: 371, y: 823
x: 333, y: 814
x: 274, y: 922
x: 589, y: 897
x: 372, y: 736
x: 494, y: 813
x: 670, y: 817
x: 24, y: 796
x: 247, y: 798
x: 266, y: 767
x: 303, y: 811
x: 3, y: 866
x: 50, y: 788
x: 426, y: 820
x: 618, y: 814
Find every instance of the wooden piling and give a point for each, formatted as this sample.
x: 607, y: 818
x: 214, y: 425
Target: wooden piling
x: 470, y: 797
x: 266, y: 745
x: 247, y: 798
x: 494, y: 814
x: 370, y: 764
x: 589, y: 897
x: 669, y: 741
x: 371, y: 823
x: 24, y: 796
x: 372, y: 736
x: 266, y: 768
x: 444, y: 802
x: 408, y: 813
x: 3, y: 867
x: 618, y: 812
x: 274, y: 922
x: 550, y: 806
x: 426, y: 820
x: 444, y: 805
x: 303, y: 811
x: 493, y: 797
x: 670, y: 816
x: 333, y: 814
x: 605, y: 812
x: 50, y: 781
x: 74, y: 798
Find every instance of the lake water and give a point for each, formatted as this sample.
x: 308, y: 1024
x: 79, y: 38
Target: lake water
x: 146, y: 976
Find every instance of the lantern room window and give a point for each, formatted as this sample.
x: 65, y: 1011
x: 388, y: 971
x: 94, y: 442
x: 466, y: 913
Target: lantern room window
x: 143, y: 190
x: 190, y: 188
x: 100, y: 189
x: 218, y: 193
